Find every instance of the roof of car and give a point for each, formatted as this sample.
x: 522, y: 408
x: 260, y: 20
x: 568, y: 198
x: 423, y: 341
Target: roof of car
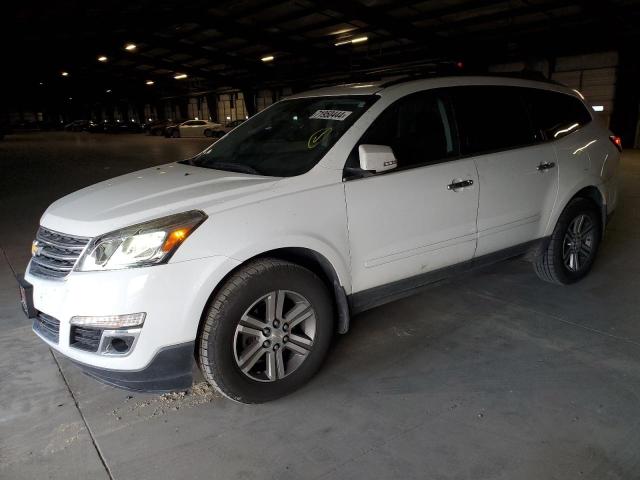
x: 435, y: 81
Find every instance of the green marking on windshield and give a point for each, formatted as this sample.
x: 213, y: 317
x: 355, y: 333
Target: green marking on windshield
x: 315, y: 137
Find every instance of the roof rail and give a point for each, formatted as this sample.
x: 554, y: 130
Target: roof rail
x: 520, y: 75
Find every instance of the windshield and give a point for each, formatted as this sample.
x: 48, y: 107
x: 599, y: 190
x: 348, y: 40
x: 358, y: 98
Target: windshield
x: 287, y: 139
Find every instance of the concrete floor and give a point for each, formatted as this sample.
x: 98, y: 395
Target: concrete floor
x: 493, y: 375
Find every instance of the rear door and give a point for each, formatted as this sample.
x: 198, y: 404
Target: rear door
x: 408, y: 221
x: 197, y: 129
x: 517, y: 170
x: 186, y: 129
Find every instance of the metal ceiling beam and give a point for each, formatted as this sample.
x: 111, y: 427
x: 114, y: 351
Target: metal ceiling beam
x: 507, y: 14
x: 378, y: 19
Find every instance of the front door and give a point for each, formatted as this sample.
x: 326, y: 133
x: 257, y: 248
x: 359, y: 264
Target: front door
x: 419, y: 217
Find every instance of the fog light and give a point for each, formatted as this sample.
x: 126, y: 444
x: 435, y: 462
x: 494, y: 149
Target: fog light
x: 119, y: 342
x: 119, y: 345
x: 129, y: 320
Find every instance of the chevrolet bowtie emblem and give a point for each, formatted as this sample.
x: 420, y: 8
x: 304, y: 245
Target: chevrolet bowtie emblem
x: 35, y: 248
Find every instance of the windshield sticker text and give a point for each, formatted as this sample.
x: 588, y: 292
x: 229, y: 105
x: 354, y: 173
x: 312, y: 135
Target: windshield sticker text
x: 339, y: 115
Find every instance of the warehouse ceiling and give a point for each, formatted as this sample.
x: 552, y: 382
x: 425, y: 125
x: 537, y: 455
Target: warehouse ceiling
x: 160, y: 48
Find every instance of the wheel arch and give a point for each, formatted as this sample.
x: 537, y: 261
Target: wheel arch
x: 590, y: 192
x: 308, y: 258
x: 594, y: 194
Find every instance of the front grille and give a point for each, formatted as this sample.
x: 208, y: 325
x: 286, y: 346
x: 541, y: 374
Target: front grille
x: 56, y: 253
x: 47, y: 326
x: 85, y: 338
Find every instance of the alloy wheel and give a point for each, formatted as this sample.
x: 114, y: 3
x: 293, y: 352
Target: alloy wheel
x: 274, y: 336
x: 578, y: 243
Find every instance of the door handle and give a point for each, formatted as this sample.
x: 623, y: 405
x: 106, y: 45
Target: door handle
x: 461, y: 184
x: 546, y: 166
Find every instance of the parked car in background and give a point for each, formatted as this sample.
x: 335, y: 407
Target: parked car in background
x: 26, y: 126
x: 244, y: 259
x: 157, y: 127
x: 196, y: 128
x: 116, y: 127
x: 79, y: 126
x: 231, y: 125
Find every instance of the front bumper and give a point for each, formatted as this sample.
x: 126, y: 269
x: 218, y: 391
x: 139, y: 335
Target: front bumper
x: 171, y: 369
x: 173, y: 296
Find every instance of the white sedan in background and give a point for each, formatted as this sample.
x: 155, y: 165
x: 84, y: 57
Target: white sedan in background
x: 199, y: 128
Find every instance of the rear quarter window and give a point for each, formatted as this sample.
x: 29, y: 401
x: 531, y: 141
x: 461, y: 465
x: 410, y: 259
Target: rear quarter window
x: 555, y: 114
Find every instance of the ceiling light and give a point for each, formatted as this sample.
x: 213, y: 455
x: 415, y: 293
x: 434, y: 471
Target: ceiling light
x: 65, y: 74
x: 180, y: 76
x: 149, y: 82
x: 130, y: 47
x: 102, y: 58
x: 343, y: 31
x: 598, y: 108
x: 351, y: 40
x: 268, y: 58
x: 109, y: 90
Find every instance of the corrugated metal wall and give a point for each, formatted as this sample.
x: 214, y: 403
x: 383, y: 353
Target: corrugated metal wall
x: 594, y: 75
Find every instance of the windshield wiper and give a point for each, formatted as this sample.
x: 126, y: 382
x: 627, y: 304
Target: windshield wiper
x: 231, y: 167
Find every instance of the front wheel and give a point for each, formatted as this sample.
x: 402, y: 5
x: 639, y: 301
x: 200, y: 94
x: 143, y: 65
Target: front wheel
x: 266, y: 332
x: 573, y: 246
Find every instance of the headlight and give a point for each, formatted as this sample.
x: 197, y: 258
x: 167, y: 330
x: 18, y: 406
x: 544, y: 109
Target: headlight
x: 148, y: 243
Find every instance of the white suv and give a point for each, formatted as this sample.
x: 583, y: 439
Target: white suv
x: 249, y: 256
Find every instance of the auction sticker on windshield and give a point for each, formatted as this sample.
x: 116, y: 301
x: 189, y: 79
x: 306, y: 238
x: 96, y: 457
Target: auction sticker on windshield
x: 331, y: 115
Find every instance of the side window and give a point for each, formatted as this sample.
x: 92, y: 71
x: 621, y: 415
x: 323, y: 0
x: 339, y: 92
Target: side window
x: 189, y: 123
x: 416, y: 127
x: 491, y: 118
x: 556, y: 114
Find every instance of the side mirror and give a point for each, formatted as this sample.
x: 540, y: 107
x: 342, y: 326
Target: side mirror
x: 377, y: 158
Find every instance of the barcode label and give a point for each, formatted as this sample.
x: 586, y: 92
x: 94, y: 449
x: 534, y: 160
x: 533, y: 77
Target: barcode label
x: 339, y: 115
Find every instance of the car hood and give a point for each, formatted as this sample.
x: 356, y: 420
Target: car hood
x: 148, y: 194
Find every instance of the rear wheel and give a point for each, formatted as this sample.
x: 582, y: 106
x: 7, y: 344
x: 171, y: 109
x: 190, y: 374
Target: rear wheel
x: 266, y: 332
x: 573, y: 245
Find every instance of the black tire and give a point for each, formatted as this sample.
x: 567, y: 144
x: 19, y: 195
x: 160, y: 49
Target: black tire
x: 208, y: 133
x: 549, y: 264
x: 216, y: 341
x: 175, y: 133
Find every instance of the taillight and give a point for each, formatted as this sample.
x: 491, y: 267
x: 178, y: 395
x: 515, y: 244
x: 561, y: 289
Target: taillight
x: 617, y: 141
